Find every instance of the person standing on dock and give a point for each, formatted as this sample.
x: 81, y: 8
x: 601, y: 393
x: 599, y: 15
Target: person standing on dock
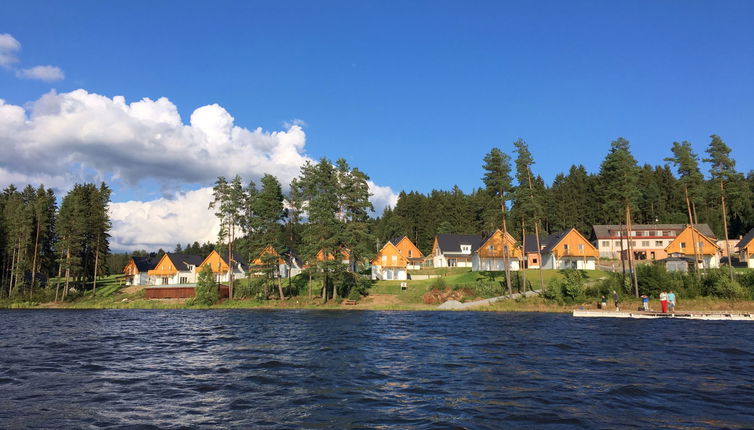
x: 603, y: 303
x: 645, y: 302
x: 616, y: 299
x: 671, y: 301
x: 664, y: 301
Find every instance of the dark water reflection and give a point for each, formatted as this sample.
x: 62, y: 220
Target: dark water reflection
x: 308, y: 369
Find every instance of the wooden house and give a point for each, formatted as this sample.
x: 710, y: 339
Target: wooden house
x: 218, y: 262
x: 390, y: 264
x: 346, y: 258
x: 454, y: 250
x: 683, y: 246
x: 568, y: 249
x: 137, y: 269
x: 532, y: 252
x: 289, y: 265
x: 174, y: 269
x: 411, y: 252
x: 492, y: 252
x: 746, y: 249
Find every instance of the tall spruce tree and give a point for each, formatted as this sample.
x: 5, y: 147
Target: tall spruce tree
x: 619, y: 179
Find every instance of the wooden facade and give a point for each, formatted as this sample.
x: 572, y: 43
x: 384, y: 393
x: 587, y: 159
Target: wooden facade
x: 569, y: 250
x: 706, y: 248
x: 493, y: 252
x: 390, y: 264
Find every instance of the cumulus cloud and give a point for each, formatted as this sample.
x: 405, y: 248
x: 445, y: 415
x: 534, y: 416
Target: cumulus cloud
x: 42, y: 73
x: 61, y: 138
x: 164, y: 222
x: 8, y: 48
x: 141, y: 140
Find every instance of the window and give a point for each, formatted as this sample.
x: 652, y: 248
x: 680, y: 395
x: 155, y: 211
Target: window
x: 410, y: 253
x: 683, y: 245
x: 492, y: 248
x: 384, y: 260
x: 658, y: 233
x: 645, y: 243
x: 581, y: 247
x: 633, y: 243
x: 451, y: 262
x: 701, y: 245
x: 164, y: 280
x: 658, y: 243
x: 466, y: 249
x: 565, y: 246
x: 617, y: 243
x: 605, y: 243
x: 534, y: 260
x: 395, y: 259
x: 183, y: 280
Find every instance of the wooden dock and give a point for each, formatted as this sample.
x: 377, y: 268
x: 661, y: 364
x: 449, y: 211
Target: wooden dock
x: 689, y: 315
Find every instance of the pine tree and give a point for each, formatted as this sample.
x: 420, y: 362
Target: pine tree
x: 497, y: 181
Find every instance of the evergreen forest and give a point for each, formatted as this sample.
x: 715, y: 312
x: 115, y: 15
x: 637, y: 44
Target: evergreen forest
x: 327, y: 210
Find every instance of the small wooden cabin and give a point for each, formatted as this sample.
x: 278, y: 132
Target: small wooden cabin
x: 390, y: 264
x: 174, y: 269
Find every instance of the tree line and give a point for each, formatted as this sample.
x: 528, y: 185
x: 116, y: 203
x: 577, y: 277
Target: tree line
x: 580, y: 199
x: 39, y: 240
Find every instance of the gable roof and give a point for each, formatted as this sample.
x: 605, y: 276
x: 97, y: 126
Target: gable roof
x: 610, y: 230
x: 396, y: 240
x: 551, y: 241
x: 145, y: 264
x: 746, y: 240
x: 182, y: 261
x: 531, y: 243
x: 451, y: 243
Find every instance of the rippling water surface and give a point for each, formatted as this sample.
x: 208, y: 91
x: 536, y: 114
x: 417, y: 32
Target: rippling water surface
x: 352, y: 369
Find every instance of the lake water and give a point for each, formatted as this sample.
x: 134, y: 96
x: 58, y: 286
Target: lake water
x: 353, y: 369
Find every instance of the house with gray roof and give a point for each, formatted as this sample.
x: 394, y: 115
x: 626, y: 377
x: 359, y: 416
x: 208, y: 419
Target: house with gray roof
x: 137, y: 268
x: 648, y: 241
x: 454, y: 250
x: 746, y: 249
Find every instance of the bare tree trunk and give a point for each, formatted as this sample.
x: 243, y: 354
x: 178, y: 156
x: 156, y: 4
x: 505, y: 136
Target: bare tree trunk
x: 96, y: 263
x: 67, y: 271
x: 523, y: 246
x: 57, y: 281
x: 693, y: 229
x: 539, y: 253
x: 310, y: 285
x: 34, y: 262
x: 623, y: 255
x: 12, y: 273
x: 536, y: 233
x: 505, y: 246
x: 631, y: 252
x: 280, y: 284
x: 725, y: 230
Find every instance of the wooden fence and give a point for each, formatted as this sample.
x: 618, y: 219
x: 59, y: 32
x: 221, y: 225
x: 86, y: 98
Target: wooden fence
x: 179, y: 292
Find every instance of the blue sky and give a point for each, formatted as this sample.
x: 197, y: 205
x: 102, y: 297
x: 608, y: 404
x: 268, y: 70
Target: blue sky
x: 413, y: 93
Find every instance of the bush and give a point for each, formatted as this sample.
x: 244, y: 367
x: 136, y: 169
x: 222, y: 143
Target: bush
x: 250, y: 289
x: 568, y: 289
x: 723, y: 287
x: 438, y: 283
x: 206, y: 288
x: 652, y: 279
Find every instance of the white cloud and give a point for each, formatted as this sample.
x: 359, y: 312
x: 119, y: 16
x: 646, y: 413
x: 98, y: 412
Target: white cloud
x: 164, y: 222
x: 41, y: 73
x: 8, y: 48
x: 381, y: 197
x: 58, y: 138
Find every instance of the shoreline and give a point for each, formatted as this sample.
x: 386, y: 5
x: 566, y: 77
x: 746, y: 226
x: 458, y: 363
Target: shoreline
x: 383, y: 303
